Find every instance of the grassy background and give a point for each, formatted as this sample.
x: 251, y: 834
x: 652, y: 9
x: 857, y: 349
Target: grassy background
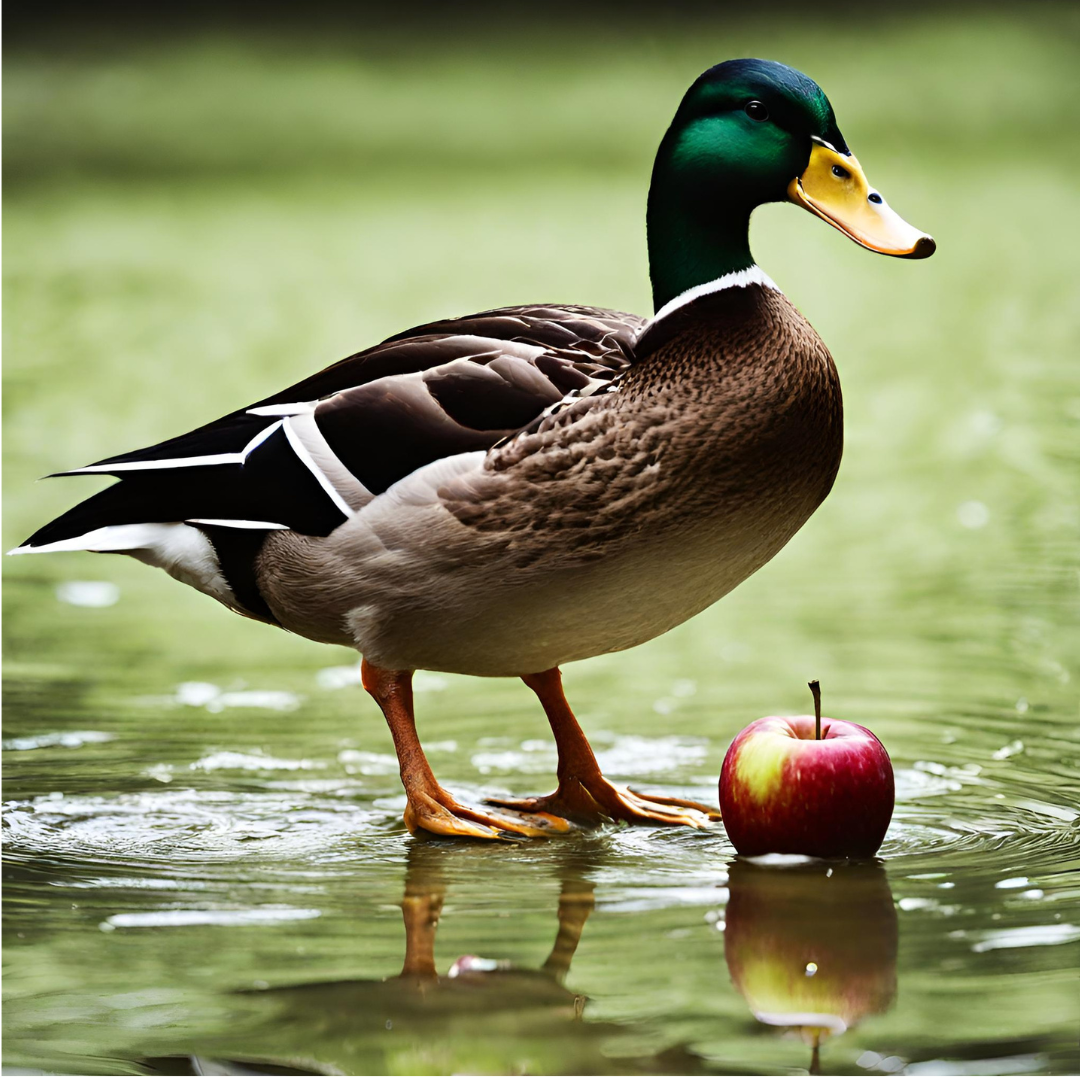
x: 195, y: 219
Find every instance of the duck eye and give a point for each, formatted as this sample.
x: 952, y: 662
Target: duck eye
x: 840, y: 172
x: 756, y: 111
x: 874, y: 197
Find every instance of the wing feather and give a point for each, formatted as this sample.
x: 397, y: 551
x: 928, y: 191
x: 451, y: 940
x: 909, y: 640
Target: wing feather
x: 313, y: 454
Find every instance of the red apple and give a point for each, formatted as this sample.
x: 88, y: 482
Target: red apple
x: 806, y: 785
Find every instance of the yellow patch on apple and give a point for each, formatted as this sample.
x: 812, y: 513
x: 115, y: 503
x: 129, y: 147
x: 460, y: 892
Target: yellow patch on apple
x: 761, y: 763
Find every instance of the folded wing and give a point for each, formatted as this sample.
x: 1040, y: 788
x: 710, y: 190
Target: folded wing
x: 313, y: 455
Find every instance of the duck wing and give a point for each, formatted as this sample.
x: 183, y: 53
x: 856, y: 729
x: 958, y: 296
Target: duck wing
x: 314, y: 454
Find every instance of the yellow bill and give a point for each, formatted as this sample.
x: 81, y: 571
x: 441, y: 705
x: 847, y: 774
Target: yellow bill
x: 834, y: 187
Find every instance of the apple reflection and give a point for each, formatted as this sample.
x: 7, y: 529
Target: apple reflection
x: 812, y: 946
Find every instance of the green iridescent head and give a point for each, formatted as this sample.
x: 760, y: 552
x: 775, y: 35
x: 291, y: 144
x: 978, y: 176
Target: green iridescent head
x: 750, y: 132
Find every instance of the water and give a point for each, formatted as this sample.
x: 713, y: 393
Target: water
x: 227, y: 882
x: 204, y: 856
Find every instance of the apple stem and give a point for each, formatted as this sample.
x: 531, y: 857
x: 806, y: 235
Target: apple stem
x: 815, y: 689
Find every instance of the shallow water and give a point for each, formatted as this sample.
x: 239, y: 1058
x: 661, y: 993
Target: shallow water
x: 225, y: 880
x: 204, y: 855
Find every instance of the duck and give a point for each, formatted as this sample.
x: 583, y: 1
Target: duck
x: 503, y: 493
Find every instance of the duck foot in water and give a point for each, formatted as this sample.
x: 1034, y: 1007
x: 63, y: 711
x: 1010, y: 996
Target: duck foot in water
x: 584, y: 793
x: 598, y: 800
x: 437, y: 811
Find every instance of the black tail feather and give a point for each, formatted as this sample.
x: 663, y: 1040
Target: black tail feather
x: 272, y: 485
x: 105, y: 508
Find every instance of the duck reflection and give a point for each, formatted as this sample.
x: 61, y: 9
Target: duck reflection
x: 812, y: 947
x: 479, y: 1015
x: 479, y: 977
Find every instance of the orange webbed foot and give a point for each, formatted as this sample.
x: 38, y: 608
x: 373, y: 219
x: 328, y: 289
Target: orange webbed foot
x: 438, y: 812
x: 596, y: 799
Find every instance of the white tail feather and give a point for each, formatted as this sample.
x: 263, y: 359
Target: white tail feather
x: 181, y: 462
x: 181, y: 550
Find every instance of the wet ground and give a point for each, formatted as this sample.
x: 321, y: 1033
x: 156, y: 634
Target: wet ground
x: 204, y: 856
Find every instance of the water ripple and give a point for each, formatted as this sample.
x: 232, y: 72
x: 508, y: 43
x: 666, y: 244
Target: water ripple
x: 189, y: 825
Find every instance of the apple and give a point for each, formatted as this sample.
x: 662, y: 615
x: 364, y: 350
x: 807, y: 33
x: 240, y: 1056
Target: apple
x: 812, y: 946
x: 806, y: 785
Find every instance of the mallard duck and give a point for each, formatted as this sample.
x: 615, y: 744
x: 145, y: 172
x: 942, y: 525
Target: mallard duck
x: 503, y: 493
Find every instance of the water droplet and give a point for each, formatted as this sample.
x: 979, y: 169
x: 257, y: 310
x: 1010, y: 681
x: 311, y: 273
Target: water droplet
x: 1015, y: 747
x: 68, y: 739
x: 811, y: 969
x: 88, y: 593
x: 973, y: 514
x: 916, y: 903
x: 1012, y: 883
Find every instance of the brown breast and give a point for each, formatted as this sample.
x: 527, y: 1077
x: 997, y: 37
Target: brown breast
x: 746, y: 396
x: 732, y: 407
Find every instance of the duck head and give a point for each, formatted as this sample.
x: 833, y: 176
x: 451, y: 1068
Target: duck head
x: 750, y: 132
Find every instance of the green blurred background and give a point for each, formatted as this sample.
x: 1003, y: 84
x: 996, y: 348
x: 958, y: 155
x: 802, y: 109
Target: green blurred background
x: 200, y: 210
x: 195, y: 217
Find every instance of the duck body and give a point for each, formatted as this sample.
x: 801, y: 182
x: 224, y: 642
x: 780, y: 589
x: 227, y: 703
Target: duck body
x: 683, y: 453
x: 605, y: 523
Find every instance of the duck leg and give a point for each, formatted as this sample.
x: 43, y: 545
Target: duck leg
x: 583, y: 792
x: 430, y: 807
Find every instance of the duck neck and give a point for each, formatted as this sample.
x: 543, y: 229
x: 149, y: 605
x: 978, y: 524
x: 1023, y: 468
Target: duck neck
x: 693, y: 240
